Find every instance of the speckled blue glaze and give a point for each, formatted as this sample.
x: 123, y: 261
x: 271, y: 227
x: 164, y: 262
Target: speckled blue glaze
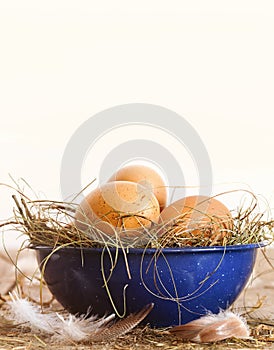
x: 183, y: 283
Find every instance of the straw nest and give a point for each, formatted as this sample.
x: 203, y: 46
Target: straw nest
x: 51, y: 223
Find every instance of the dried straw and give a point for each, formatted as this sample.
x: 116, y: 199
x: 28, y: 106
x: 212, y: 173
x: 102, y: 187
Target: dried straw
x: 51, y: 223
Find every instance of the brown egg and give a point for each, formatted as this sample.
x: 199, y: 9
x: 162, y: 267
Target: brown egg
x: 121, y: 207
x: 198, y: 216
x: 146, y: 177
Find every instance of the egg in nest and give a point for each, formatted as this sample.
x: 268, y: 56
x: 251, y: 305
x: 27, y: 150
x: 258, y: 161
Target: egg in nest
x: 146, y: 177
x: 118, y: 207
x: 197, y: 217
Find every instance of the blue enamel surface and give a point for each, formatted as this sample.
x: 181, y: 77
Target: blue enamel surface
x: 183, y: 283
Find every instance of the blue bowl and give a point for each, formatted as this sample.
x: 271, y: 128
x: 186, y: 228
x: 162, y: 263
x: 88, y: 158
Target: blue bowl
x: 183, y: 283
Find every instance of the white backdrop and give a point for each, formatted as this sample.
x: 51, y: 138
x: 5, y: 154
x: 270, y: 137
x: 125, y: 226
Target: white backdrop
x: 62, y: 61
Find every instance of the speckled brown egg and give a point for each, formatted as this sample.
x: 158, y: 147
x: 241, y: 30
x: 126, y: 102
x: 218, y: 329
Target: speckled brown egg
x: 146, y: 177
x: 198, y: 216
x: 122, y: 207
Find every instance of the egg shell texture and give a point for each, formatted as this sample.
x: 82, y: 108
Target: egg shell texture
x: 198, y: 215
x: 146, y: 177
x: 120, y: 204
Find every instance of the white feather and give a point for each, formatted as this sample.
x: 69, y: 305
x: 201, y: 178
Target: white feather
x: 54, y: 324
x: 79, y: 328
x: 28, y: 314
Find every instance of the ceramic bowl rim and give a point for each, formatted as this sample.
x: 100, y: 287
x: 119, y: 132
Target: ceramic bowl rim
x: 173, y: 250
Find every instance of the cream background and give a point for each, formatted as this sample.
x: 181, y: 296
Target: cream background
x: 62, y: 61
